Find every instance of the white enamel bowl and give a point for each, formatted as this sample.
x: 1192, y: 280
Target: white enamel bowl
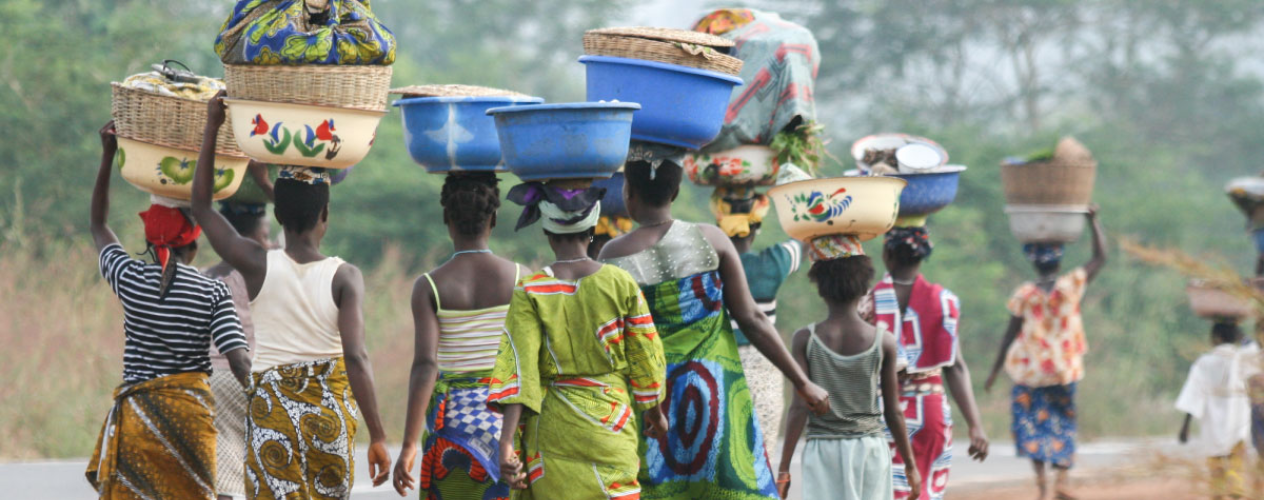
x: 305, y: 135
x: 168, y: 171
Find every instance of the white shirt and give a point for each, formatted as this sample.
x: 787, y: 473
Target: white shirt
x: 1216, y: 395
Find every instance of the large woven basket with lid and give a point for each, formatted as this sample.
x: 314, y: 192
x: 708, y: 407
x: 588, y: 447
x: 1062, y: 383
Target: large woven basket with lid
x: 161, y: 120
x: 665, y: 45
x: 359, y: 87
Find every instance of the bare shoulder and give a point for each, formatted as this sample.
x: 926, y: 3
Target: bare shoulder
x: 799, y: 340
x: 622, y: 246
x: 889, y: 345
x: 348, y: 275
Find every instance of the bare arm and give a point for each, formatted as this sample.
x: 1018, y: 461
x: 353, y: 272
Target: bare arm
x: 894, y: 415
x: 246, y: 255
x: 957, y: 377
x: 259, y: 172
x: 421, y: 380
x: 1183, y: 437
x: 348, y: 290
x: 1096, y: 263
x: 510, y: 467
x: 1011, y: 333
x: 797, y: 416
x: 102, y: 235
x: 755, y: 324
x: 239, y: 362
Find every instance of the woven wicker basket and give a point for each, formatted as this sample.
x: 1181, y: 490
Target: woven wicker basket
x: 1049, y: 183
x: 358, y: 87
x: 166, y: 121
x: 684, y: 48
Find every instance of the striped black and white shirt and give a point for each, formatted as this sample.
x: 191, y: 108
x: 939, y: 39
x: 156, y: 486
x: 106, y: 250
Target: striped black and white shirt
x: 173, y: 334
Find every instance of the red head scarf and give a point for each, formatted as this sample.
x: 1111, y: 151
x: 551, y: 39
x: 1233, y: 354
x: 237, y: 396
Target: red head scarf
x: 167, y: 228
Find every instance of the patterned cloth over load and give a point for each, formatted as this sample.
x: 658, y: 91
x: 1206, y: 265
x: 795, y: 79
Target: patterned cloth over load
x: 584, y: 359
x: 158, y: 441
x: 272, y: 32
x: 301, y: 432
x: 714, y: 447
x: 781, y: 60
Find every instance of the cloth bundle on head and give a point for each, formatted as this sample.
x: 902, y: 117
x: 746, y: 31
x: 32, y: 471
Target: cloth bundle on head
x: 915, y: 238
x: 1043, y: 253
x: 167, y: 228
x: 613, y: 226
x: 835, y: 246
x: 565, y: 211
x: 274, y: 32
x: 780, y: 64
x: 309, y: 175
x: 655, y: 154
x: 736, y: 209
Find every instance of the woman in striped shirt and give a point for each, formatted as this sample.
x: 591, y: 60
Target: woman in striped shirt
x: 459, y: 313
x: 158, y: 440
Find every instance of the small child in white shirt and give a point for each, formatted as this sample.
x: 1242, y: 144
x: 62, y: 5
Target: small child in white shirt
x: 1215, y: 394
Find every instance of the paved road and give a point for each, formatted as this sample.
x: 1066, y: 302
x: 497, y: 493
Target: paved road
x: 63, y: 479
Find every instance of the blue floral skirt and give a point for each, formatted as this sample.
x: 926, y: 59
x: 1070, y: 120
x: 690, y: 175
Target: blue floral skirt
x: 1044, y: 423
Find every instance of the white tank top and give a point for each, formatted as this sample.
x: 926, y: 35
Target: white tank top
x: 295, y: 316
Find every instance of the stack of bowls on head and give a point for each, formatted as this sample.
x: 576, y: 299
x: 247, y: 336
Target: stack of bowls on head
x: 1247, y: 194
x: 932, y: 182
x: 322, y: 116
x: 159, y: 137
x: 1046, y: 198
x: 680, y: 78
x: 447, y: 128
x: 864, y: 207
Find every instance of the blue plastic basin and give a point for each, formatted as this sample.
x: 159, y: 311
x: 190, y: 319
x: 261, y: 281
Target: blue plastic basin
x: 446, y: 134
x: 612, y: 203
x: 928, y: 193
x: 680, y: 106
x: 565, y: 141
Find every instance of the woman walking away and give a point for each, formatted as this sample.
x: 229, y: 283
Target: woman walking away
x: 459, y: 313
x: 692, y: 277
x: 924, y: 317
x: 579, y: 361
x: 740, y: 212
x: 1043, y: 351
x: 847, y: 456
x: 230, y: 401
x: 1216, y: 394
x: 158, y: 440
x: 311, y: 370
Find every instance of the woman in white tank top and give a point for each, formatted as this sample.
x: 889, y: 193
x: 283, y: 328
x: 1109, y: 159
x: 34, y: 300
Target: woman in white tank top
x: 311, y: 374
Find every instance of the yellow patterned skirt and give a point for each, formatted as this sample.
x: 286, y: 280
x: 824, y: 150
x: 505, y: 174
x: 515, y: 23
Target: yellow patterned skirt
x: 158, y: 441
x: 300, y: 432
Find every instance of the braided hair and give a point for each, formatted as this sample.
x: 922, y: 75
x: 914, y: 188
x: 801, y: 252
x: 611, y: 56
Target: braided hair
x: 469, y: 201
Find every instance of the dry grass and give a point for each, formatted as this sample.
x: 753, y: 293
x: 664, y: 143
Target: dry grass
x: 61, y: 329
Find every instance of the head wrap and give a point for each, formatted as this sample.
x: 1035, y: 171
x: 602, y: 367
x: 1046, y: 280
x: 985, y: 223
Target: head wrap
x: 565, y: 211
x: 655, y: 154
x: 167, y: 228
x: 613, y: 226
x: 1043, y: 253
x: 736, y: 209
x: 835, y: 246
x: 309, y: 175
x: 915, y: 238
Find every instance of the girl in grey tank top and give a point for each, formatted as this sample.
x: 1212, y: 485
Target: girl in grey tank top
x: 847, y: 456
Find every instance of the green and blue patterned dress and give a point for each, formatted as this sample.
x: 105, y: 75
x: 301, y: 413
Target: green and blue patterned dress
x: 714, y: 448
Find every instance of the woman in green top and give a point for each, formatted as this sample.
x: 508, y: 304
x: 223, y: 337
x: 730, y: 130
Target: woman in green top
x: 580, y: 358
x: 693, y: 279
